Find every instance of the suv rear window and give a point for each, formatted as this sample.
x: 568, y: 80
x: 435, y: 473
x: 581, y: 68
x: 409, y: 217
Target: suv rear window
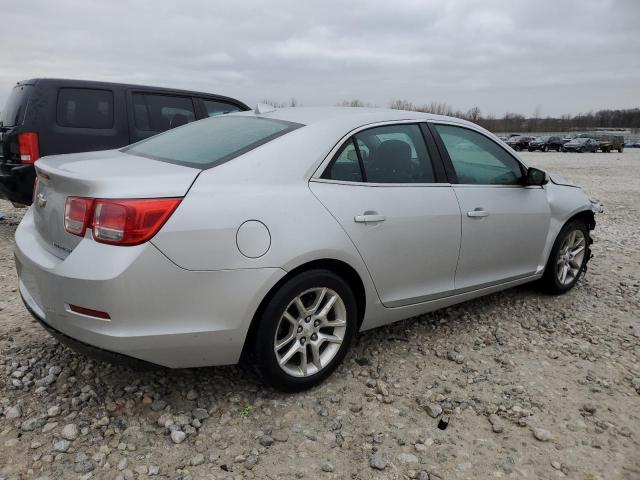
x: 85, y: 108
x: 13, y: 111
x: 212, y: 141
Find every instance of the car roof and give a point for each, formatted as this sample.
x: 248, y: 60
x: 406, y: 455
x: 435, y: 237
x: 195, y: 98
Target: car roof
x: 349, y: 116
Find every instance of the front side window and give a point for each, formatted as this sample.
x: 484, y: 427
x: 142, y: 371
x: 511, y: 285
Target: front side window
x: 477, y: 159
x: 388, y: 154
x: 85, y: 108
x: 215, y: 108
x: 211, y: 141
x: 158, y: 113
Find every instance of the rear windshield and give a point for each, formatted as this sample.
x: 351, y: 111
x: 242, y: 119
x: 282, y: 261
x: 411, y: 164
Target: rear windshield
x: 212, y: 141
x: 13, y: 111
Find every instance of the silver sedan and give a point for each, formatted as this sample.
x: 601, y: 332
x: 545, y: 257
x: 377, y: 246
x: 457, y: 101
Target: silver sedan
x: 276, y: 235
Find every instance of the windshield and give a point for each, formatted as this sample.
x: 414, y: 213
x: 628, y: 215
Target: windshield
x: 13, y: 112
x: 579, y: 140
x: 212, y: 141
x: 542, y: 139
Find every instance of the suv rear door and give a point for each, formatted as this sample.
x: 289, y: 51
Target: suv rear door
x: 80, y: 118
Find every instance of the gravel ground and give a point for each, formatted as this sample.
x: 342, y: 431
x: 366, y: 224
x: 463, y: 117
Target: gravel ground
x: 523, y: 385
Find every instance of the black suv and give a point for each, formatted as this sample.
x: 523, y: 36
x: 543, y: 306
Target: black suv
x: 546, y: 143
x: 46, y: 116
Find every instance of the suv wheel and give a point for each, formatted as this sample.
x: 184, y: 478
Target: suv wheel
x: 544, y: 148
x: 305, y: 330
x: 620, y: 149
x: 568, y: 258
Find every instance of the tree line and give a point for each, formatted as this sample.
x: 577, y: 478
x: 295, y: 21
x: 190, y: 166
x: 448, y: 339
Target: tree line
x: 622, y: 119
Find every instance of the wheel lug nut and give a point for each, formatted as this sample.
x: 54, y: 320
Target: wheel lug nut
x: 314, y: 337
x: 316, y: 323
x: 308, y: 319
x: 300, y: 329
x: 302, y: 340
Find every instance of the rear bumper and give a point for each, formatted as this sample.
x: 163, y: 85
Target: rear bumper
x: 89, y: 350
x: 16, y: 182
x: 160, y: 313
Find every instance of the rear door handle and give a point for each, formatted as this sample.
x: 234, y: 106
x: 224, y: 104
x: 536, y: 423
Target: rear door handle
x: 477, y: 213
x: 369, y: 218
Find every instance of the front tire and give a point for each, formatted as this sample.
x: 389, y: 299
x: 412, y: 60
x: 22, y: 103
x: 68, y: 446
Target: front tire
x: 305, y: 330
x: 568, y: 258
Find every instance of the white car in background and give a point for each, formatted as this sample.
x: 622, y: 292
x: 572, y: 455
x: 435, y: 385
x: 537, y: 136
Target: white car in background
x: 282, y: 233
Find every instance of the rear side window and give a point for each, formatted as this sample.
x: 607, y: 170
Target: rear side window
x: 158, y: 113
x: 215, y: 108
x: 211, y: 141
x: 13, y: 111
x: 388, y: 154
x: 85, y: 108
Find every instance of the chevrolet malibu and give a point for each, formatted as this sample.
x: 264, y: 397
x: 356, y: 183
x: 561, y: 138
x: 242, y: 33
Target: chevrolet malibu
x: 276, y: 235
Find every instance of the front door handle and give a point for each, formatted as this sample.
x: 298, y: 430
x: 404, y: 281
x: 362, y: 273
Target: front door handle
x: 369, y: 218
x: 478, y: 213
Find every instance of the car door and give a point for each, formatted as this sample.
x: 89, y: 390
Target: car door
x: 504, y: 223
x: 387, y: 190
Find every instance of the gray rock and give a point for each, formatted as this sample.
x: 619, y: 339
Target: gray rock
x: 85, y: 466
x: 326, y: 467
x: 158, y: 405
x: 197, y: 460
x: 251, y: 462
x: 178, y: 436
x: 407, y: 458
x: 266, y: 441
x: 192, y: 395
x: 496, y: 423
x: 53, y: 410
x: 12, y: 413
x: 433, y: 409
x: 280, y: 436
x: 200, y: 413
x: 153, y: 470
x: 377, y: 461
x: 61, y: 446
x: 542, y: 435
x: 70, y: 432
x: 33, y: 423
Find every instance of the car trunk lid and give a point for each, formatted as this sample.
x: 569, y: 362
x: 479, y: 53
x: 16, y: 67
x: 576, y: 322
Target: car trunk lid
x: 107, y: 174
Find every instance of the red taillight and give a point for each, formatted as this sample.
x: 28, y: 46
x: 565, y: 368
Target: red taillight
x: 118, y: 222
x: 130, y: 222
x: 28, y: 146
x: 77, y: 215
x: 90, y: 312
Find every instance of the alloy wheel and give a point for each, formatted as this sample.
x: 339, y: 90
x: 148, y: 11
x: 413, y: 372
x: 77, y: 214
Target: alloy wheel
x: 570, y: 257
x: 310, y: 332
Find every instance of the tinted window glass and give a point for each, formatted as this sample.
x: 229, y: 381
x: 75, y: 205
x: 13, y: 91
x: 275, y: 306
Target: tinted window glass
x: 478, y: 159
x: 395, y: 154
x: 158, y: 113
x: 211, y: 141
x: 13, y: 111
x: 214, y: 108
x: 85, y: 108
x: 345, y: 167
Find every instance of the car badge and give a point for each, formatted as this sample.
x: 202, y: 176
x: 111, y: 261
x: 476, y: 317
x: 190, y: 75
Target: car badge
x: 41, y: 200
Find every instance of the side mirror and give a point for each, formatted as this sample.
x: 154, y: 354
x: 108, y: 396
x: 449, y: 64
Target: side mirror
x: 535, y: 177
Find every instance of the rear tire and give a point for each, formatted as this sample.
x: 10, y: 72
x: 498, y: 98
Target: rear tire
x: 544, y: 148
x: 567, y: 261
x: 305, y: 330
x: 620, y: 150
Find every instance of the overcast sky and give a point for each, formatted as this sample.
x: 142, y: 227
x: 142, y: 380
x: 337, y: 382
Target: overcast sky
x: 560, y: 56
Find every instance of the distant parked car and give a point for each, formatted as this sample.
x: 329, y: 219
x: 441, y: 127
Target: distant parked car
x: 520, y: 142
x: 607, y: 142
x: 581, y: 145
x: 51, y: 116
x: 546, y: 143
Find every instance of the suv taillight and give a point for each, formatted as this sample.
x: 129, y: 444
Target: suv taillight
x: 28, y: 146
x: 118, y: 222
